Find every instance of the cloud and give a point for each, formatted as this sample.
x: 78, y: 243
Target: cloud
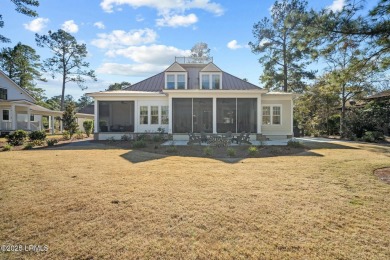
x: 153, y: 54
x: 99, y: 25
x: 138, y: 70
x: 177, y: 20
x: 119, y: 38
x: 70, y: 26
x: 37, y: 24
x: 336, y: 6
x: 233, y: 45
x: 164, y: 6
x: 139, y: 18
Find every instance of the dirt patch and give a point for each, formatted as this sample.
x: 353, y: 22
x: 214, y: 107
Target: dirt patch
x: 383, y: 174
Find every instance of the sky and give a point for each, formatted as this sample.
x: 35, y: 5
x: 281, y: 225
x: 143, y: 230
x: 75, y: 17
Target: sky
x: 130, y: 40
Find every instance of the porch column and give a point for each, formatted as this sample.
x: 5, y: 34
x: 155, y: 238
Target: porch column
x: 96, y: 111
x: 214, y: 115
x: 170, y: 130
x: 51, y: 123
x: 292, y: 117
x: 13, y: 117
x: 61, y: 126
x: 259, y: 115
x: 28, y: 119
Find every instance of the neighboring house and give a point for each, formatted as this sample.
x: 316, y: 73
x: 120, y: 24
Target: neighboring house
x: 18, y: 110
x: 192, y: 97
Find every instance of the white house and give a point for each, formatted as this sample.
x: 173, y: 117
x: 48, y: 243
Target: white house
x: 193, y: 96
x: 18, y: 110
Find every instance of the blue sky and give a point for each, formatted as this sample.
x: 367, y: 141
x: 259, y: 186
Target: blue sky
x: 130, y: 40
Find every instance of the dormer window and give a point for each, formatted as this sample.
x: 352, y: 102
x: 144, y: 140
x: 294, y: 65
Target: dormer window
x: 211, y: 81
x: 175, y: 81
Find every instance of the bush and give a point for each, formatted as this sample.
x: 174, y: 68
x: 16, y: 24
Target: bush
x: 51, y: 142
x: 157, y: 138
x: 79, y: 134
x: 88, y: 127
x: 252, y: 151
x: 294, y: 144
x: 66, y: 135
x: 231, y: 152
x: 208, y: 151
x: 37, y: 136
x: 17, y: 138
x: 372, y: 136
x: 7, y: 147
x: 139, y: 144
x: 37, y: 142
x: 28, y: 146
x: 171, y: 149
x: 125, y: 138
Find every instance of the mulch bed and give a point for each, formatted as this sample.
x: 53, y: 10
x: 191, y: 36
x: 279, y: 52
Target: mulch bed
x: 217, y: 152
x: 383, y: 174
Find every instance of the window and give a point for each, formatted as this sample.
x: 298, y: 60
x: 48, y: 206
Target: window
x: 276, y: 116
x: 247, y: 115
x: 215, y: 81
x: 3, y: 93
x: 143, y: 119
x: 164, y: 115
x: 202, y: 115
x: 176, y: 81
x: 205, y: 81
x: 5, y: 115
x: 116, y: 116
x: 272, y: 115
x: 170, y: 81
x: 267, y: 115
x: 181, y: 81
x: 32, y: 118
x: 154, y: 115
x: 182, y: 115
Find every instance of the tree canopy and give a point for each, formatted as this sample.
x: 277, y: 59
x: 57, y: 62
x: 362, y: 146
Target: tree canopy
x: 67, y: 60
x: 23, y: 7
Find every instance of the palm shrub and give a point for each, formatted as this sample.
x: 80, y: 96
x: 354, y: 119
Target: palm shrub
x: 252, y: 151
x: 17, y: 138
x: 51, y: 142
x: 88, y: 127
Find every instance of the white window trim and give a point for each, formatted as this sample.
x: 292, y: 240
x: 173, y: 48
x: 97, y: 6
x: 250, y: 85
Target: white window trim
x: 272, y: 113
x: 210, y: 74
x: 9, y: 115
x: 176, y: 74
x: 158, y: 115
x: 148, y: 115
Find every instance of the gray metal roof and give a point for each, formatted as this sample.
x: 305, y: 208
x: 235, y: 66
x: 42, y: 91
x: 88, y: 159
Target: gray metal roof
x: 157, y: 82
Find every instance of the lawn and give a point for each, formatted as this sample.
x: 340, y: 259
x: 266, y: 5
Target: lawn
x: 112, y: 203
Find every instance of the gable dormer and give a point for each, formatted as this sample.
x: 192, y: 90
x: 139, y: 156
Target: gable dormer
x: 176, y: 77
x: 210, y: 77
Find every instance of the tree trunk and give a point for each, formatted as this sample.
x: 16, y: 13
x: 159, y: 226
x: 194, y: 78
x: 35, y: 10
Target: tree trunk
x: 284, y: 67
x: 63, y: 92
x: 342, y: 116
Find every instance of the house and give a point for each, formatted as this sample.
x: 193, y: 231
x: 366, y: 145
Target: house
x: 18, y: 110
x: 193, y: 96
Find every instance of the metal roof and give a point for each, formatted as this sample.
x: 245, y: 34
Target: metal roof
x: 157, y: 83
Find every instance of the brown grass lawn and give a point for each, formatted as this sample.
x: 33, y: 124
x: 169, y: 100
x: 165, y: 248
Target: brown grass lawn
x: 111, y: 203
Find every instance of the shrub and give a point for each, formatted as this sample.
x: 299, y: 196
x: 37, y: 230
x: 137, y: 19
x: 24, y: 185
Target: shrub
x: 231, y: 152
x: 208, y: 151
x: 372, y: 136
x: 7, y: 147
x: 17, y: 138
x: 28, y: 146
x: 37, y: 136
x: 88, y: 127
x: 51, y: 142
x: 294, y: 144
x: 125, y: 138
x: 37, y: 142
x: 79, y: 134
x: 66, y: 135
x: 171, y: 149
x: 139, y: 144
x: 157, y: 138
x: 111, y: 139
x: 252, y: 151
x: 69, y: 119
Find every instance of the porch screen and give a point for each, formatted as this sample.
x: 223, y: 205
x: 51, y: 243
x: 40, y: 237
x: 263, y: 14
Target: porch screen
x: 246, y: 115
x: 116, y: 116
x: 182, y: 115
x: 226, y: 115
x: 203, y: 115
